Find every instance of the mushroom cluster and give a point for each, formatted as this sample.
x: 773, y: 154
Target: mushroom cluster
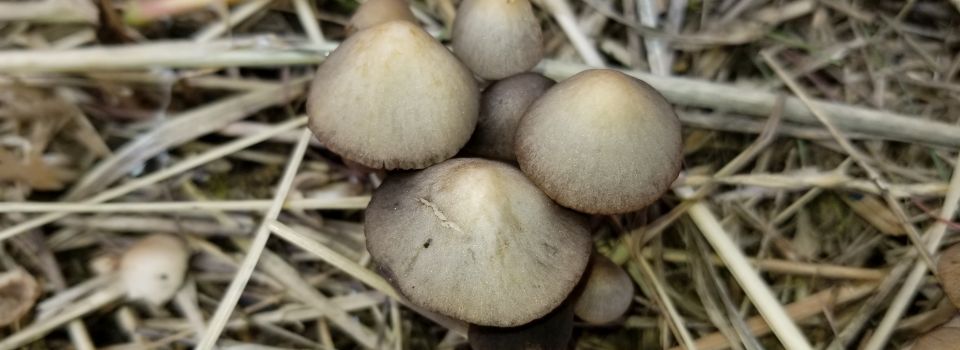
x: 495, y: 237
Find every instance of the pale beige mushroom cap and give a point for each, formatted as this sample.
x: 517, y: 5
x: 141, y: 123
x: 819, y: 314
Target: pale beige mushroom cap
x: 154, y: 268
x: 949, y: 270
x: 18, y: 293
x: 497, y: 38
x: 607, y: 293
x: 601, y: 142
x: 375, y: 12
x: 392, y: 97
x: 475, y: 240
x: 942, y: 338
x: 501, y: 107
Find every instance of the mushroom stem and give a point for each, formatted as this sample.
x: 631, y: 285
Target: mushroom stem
x: 113, y: 292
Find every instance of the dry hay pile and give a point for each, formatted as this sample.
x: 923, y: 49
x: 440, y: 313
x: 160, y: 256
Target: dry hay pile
x: 820, y: 140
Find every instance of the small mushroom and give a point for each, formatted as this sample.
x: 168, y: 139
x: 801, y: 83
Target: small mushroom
x: 942, y: 338
x: 475, y: 240
x: 550, y: 332
x: 497, y: 38
x: 601, y: 142
x: 154, y: 268
x: 501, y: 107
x: 375, y: 12
x: 949, y: 270
x: 18, y: 292
x: 607, y: 292
x: 392, y: 97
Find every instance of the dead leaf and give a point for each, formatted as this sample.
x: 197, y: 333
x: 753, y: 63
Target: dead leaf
x: 18, y: 292
x: 875, y: 212
x: 34, y: 172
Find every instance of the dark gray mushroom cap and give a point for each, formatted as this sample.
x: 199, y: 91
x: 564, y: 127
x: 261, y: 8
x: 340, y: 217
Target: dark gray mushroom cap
x: 392, y: 97
x: 501, y: 107
x: 607, y: 293
x: 601, y: 142
x: 549, y: 332
x: 475, y: 240
x: 375, y: 12
x: 497, y: 38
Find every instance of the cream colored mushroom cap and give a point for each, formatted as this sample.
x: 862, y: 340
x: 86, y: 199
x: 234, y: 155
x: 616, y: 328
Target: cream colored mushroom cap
x: 392, y: 97
x: 607, y: 293
x: 497, y: 38
x: 475, y: 240
x: 501, y: 107
x: 375, y: 12
x: 601, y: 142
x: 154, y: 268
x: 942, y: 338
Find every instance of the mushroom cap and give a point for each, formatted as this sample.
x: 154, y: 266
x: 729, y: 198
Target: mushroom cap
x: 942, y: 338
x: 549, y: 332
x: 949, y: 269
x: 375, y: 12
x: 18, y: 293
x: 501, y: 107
x: 474, y: 239
x: 392, y: 97
x: 601, y: 142
x: 497, y: 38
x: 607, y: 293
x: 154, y: 268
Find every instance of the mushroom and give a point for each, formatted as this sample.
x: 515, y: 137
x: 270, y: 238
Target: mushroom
x: 18, y: 292
x: 501, y: 107
x: 392, y: 97
x: 949, y: 270
x: 475, y: 240
x: 374, y: 12
x: 942, y: 338
x: 601, y: 142
x: 607, y: 292
x: 552, y: 331
x: 497, y: 38
x: 154, y: 268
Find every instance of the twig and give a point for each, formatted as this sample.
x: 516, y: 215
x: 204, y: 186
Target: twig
x: 360, y: 273
x: 699, y: 93
x: 656, y: 48
x: 49, y: 11
x: 781, y: 266
x: 178, y: 130
x: 563, y: 14
x: 238, y: 15
x: 933, y: 237
x: 799, y: 310
x: 673, y: 317
x: 255, y: 51
x: 807, y: 179
x: 754, y: 287
x: 854, y: 153
x: 308, y: 20
x: 345, y: 203
x: 232, y: 295
x: 161, y: 175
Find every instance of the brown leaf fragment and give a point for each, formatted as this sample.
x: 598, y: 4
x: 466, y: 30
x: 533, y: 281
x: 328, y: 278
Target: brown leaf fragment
x: 18, y: 292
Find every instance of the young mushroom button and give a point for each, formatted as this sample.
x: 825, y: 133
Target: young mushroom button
x: 501, y: 107
x: 154, y: 268
x: 607, y: 292
x: 374, y: 12
x: 601, y: 142
x: 497, y: 38
x: 392, y: 97
x: 475, y: 240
